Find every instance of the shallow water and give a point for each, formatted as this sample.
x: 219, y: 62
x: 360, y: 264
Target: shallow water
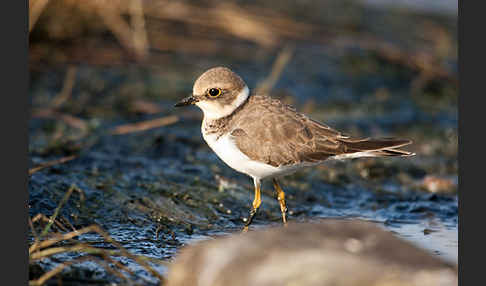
x: 439, y: 239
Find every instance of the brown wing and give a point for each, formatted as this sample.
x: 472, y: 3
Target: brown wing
x: 288, y: 137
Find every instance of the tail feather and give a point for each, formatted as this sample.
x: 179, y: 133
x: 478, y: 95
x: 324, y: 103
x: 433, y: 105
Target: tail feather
x: 392, y: 152
x: 380, y: 147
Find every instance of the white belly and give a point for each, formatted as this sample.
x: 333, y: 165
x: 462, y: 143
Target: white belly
x: 227, y: 151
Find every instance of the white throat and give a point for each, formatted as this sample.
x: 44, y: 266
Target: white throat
x: 215, y: 111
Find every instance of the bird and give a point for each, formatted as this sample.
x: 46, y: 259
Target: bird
x: 264, y: 138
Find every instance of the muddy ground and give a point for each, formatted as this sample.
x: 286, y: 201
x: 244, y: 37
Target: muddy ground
x: 379, y: 72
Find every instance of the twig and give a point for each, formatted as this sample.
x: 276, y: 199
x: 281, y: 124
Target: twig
x: 36, y: 247
x: 262, y: 26
x: 68, y: 85
x: 56, y: 211
x: 64, y: 220
x: 56, y: 270
x: 140, y: 42
x: 140, y: 261
x: 35, y: 10
x: 119, y: 265
x: 56, y: 250
x: 51, y: 163
x: 104, y: 263
x: 81, y: 247
x: 111, y: 15
x: 53, y: 240
x: 145, y: 125
x: 47, y: 220
x: 66, y: 118
x: 144, y: 106
x: 278, y: 66
x: 34, y: 233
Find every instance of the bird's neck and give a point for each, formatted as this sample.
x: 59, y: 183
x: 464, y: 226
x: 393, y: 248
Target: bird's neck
x: 222, y: 124
x: 214, y: 112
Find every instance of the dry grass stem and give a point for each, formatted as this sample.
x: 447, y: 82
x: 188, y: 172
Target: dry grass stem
x: 35, y: 10
x: 107, y: 258
x: 68, y: 85
x: 85, y: 248
x: 140, y: 42
x: 56, y: 211
x: 34, y: 233
x: 59, y: 237
x: 144, y: 106
x: 65, y: 221
x: 111, y: 14
x: 104, y: 262
x: 145, y: 125
x: 278, y: 66
x: 56, y: 250
x: 123, y: 251
x: 45, y: 219
x: 265, y: 27
x: 51, y: 163
x: 43, y: 249
x: 59, y: 268
x: 43, y: 279
x: 66, y: 118
x: 254, y: 24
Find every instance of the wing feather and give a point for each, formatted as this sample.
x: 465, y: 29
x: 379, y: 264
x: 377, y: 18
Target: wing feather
x: 287, y: 137
x: 275, y: 133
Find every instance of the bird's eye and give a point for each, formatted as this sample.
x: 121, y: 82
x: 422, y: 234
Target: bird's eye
x: 214, y: 92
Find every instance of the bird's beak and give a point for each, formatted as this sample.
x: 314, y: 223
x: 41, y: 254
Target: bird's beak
x: 186, y: 101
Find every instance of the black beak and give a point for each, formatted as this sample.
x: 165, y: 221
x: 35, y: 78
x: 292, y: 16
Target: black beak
x: 186, y: 101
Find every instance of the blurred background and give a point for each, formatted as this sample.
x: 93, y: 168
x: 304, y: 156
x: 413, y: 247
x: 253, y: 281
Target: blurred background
x: 104, y: 76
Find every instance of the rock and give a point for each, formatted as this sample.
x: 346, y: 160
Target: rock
x: 330, y: 252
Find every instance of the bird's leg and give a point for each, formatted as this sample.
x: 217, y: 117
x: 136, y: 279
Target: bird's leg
x: 281, y: 201
x: 257, y: 201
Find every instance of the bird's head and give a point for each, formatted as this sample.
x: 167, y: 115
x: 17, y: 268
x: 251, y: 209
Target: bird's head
x: 218, y: 92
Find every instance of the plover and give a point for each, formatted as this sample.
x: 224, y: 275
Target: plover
x: 266, y: 139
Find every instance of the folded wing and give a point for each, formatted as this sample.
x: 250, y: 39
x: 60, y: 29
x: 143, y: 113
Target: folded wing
x: 288, y: 137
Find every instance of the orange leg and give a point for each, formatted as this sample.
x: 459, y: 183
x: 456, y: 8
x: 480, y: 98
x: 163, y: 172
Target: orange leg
x: 281, y: 201
x: 257, y: 201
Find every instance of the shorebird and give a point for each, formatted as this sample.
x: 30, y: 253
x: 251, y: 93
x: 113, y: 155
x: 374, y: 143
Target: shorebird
x: 266, y: 139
